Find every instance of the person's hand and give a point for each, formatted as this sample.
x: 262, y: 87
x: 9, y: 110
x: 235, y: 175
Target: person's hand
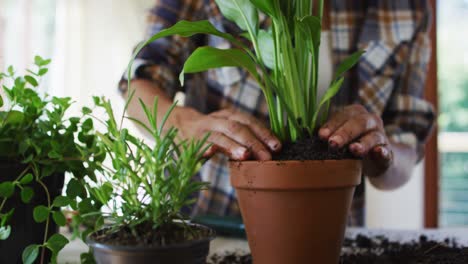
x: 365, y: 134
x: 239, y: 136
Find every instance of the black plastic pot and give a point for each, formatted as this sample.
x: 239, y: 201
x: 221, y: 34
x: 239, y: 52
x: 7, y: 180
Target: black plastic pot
x: 191, y: 252
x: 25, y: 231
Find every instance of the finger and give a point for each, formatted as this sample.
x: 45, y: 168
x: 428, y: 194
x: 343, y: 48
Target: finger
x: 379, y: 159
x: 259, y: 130
x: 353, y: 129
x: 228, y: 146
x: 210, y: 151
x: 338, y: 119
x: 368, y: 142
x: 332, y: 125
x: 382, y: 153
x: 244, y: 136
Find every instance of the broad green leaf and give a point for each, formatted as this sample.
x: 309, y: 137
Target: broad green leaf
x: 75, y: 188
x: 87, y: 125
x: 6, y: 189
x: 11, y: 70
x: 6, y: 217
x: 14, y: 117
x: 61, y: 201
x: 59, y: 218
x: 86, y: 206
x: 42, y: 71
x: 30, y: 254
x: 40, y: 213
x: 266, y: 6
x: 1, y: 101
x: 5, y: 232
x: 348, y: 63
x: 311, y: 27
x: 39, y: 61
x: 267, y: 48
x: 86, y: 110
x: 206, y: 58
x: 31, y: 80
x: 329, y: 94
x: 87, y: 258
x: 185, y: 29
x: 27, y: 179
x: 242, y: 12
x: 27, y: 194
x: 97, y: 100
x: 56, y: 242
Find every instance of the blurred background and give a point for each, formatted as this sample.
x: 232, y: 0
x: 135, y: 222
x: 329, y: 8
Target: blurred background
x: 90, y: 43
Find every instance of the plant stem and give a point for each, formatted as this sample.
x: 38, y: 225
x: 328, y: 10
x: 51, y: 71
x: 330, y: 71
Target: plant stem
x: 17, y: 178
x: 47, y: 220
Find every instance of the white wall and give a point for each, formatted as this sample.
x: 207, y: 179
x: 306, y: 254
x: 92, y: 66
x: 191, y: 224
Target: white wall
x: 94, y: 41
x: 399, y: 209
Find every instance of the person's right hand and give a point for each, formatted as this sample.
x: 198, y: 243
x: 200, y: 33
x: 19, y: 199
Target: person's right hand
x: 238, y: 135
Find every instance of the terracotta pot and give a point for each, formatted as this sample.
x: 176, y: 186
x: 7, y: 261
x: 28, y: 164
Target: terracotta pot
x: 295, y: 211
x: 190, y: 252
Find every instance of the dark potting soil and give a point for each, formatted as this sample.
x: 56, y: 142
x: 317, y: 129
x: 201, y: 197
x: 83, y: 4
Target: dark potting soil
x: 364, y: 250
x: 379, y: 250
x: 147, y: 237
x: 312, y: 148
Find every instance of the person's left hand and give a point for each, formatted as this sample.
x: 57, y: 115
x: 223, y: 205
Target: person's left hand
x: 365, y: 134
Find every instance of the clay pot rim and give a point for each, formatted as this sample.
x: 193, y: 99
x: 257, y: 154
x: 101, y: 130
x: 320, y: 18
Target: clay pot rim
x: 186, y: 244
x: 295, y: 174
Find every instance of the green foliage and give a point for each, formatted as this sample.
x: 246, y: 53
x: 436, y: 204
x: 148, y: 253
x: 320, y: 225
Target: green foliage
x: 37, y: 133
x: 41, y: 213
x: 215, y: 58
x: 284, y: 61
x: 30, y: 254
x: 5, y: 232
x: 7, y: 189
x: 148, y: 183
x: 27, y: 194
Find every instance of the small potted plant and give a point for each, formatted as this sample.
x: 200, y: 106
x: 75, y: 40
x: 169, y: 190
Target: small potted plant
x: 294, y: 210
x: 39, y: 142
x: 145, y: 190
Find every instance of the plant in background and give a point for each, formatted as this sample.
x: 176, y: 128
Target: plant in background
x: 284, y: 60
x: 148, y: 184
x: 37, y: 135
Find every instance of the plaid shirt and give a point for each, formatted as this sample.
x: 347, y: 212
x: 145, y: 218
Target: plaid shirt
x: 388, y: 81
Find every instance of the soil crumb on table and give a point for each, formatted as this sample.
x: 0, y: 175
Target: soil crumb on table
x: 379, y: 250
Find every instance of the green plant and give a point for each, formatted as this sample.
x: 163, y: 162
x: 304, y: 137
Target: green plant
x: 148, y: 183
x: 284, y: 60
x: 36, y: 133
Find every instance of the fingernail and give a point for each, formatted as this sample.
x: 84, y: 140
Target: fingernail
x: 274, y: 145
x: 384, y: 152
x: 324, y: 132
x: 241, y: 153
x: 263, y: 155
x: 356, y: 148
x: 336, y: 141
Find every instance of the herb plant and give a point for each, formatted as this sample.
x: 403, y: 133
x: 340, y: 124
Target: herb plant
x: 148, y: 183
x: 284, y: 60
x: 37, y: 134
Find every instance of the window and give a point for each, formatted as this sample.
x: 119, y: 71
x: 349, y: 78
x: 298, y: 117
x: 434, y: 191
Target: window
x: 452, y: 26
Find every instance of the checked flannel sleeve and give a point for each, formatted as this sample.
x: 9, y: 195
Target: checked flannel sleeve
x: 162, y: 60
x: 393, y: 71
